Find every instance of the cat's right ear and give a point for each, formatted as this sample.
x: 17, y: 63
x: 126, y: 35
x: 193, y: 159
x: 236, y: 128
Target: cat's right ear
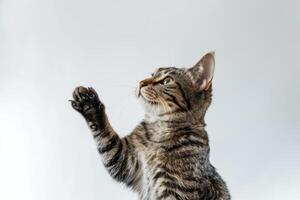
x: 202, y: 72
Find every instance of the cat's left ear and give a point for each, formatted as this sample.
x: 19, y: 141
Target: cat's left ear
x: 202, y: 72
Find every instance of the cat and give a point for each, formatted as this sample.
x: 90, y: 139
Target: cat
x: 166, y: 156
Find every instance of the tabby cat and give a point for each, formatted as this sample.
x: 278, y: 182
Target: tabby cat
x: 166, y: 156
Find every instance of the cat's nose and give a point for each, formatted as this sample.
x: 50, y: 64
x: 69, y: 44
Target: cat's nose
x: 145, y: 82
x: 142, y: 84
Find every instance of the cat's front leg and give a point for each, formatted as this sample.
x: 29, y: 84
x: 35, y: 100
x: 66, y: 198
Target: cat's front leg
x: 118, y: 155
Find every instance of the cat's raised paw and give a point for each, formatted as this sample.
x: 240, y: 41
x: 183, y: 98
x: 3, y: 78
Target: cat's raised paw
x: 86, y: 100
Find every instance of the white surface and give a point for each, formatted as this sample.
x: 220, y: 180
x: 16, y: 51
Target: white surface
x: 49, y: 47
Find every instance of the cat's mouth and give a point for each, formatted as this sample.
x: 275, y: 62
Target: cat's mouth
x: 148, y: 94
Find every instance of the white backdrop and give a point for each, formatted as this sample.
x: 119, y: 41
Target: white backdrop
x: 49, y: 47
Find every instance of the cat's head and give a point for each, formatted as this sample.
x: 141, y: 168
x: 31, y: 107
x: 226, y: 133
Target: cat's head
x: 172, y: 92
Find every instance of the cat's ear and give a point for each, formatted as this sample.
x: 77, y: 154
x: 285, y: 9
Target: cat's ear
x: 202, y: 72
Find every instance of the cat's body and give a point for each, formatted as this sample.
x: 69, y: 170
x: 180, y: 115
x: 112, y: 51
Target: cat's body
x: 166, y: 157
x: 174, y: 161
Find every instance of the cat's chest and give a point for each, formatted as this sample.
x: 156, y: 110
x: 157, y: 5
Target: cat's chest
x: 163, y: 158
x: 160, y: 166
x: 154, y: 158
x: 153, y: 162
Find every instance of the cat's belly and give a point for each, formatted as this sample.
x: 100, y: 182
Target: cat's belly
x: 160, y: 176
x: 166, y: 177
x: 158, y: 185
x: 157, y: 191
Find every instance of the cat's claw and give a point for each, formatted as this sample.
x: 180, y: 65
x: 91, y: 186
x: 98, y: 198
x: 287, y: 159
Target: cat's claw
x: 75, y: 105
x: 85, y: 100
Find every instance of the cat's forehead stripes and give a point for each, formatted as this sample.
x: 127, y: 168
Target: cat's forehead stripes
x: 163, y: 71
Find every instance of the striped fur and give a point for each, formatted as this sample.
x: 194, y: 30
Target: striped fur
x: 166, y: 156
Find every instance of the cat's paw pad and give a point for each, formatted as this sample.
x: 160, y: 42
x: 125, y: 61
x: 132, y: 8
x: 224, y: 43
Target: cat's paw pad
x: 86, y: 100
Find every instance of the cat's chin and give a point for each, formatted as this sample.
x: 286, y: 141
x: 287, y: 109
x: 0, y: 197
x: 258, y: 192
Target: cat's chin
x: 150, y: 108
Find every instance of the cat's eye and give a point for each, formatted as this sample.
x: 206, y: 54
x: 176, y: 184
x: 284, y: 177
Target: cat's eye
x: 167, y: 80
